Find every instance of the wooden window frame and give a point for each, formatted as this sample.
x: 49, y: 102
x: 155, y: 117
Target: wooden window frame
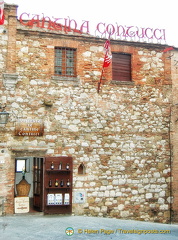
x: 121, y: 67
x: 65, y: 62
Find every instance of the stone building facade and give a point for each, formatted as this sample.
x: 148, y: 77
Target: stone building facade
x: 124, y: 137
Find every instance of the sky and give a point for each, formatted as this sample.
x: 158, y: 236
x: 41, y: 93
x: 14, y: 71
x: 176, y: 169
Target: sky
x: 152, y: 14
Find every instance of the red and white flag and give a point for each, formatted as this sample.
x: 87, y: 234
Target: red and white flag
x: 107, y: 60
x: 1, y: 12
x: 108, y: 55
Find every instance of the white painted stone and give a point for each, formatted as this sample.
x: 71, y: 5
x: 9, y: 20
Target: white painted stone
x: 121, y: 207
x: 43, y: 55
x: 164, y: 207
x: 73, y: 128
x: 156, y: 175
x: 106, y: 193
x: 97, y: 209
x: 161, y: 200
x: 101, y: 194
x: 149, y: 195
x: 134, y: 192
x: 170, y: 199
x: 19, y: 99
x: 119, y: 194
x: 79, y: 184
x: 112, y: 193
x: 125, y: 214
x: 104, y: 209
x: 84, y: 144
x: 33, y: 82
x: 97, y: 200
x: 108, y: 203
x: 115, y: 182
x: 103, y: 188
x: 113, y: 145
x: 141, y: 190
x: 97, y: 73
x: 72, y: 150
x: 143, y: 59
x: 162, y: 194
x: 15, y: 105
x: 24, y: 49
x: 76, y: 121
x: 92, y: 184
x: 36, y: 43
x: 122, y: 181
x: 51, y: 137
x: 87, y: 54
x: 94, y: 194
x: 122, y: 168
x: 94, y: 49
x: 50, y: 151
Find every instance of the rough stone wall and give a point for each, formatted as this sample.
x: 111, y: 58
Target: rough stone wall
x: 174, y: 136
x: 122, y: 135
x: 7, y: 65
x: 3, y: 45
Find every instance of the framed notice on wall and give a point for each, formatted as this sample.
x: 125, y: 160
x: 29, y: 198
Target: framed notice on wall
x: 29, y: 127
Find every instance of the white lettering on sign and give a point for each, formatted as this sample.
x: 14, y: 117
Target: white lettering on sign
x: 29, y: 127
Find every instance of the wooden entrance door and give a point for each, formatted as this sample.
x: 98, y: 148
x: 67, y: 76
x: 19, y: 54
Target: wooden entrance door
x: 38, y: 183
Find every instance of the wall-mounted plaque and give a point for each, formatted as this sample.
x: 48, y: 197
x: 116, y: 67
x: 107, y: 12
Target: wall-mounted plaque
x: 29, y: 127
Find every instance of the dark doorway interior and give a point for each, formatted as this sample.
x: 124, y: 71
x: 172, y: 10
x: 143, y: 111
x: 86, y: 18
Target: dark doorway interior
x: 38, y: 184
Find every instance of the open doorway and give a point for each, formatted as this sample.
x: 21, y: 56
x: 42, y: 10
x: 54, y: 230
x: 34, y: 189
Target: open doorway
x: 30, y: 169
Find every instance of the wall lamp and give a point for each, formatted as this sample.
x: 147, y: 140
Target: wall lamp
x: 3, y: 115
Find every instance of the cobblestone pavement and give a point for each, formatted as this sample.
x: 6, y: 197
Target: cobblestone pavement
x: 54, y: 227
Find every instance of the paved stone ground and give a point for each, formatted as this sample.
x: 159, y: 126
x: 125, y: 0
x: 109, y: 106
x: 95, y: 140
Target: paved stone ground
x: 53, y: 227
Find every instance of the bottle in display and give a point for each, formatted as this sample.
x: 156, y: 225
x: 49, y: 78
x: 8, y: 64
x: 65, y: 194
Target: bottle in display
x: 50, y: 183
x: 62, y: 183
x: 60, y: 166
x: 67, y: 166
x: 56, y: 183
x: 52, y: 166
x: 68, y: 183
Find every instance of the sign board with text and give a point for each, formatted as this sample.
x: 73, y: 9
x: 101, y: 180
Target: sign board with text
x: 21, y: 204
x: 29, y: 127
x: 116, y: 30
